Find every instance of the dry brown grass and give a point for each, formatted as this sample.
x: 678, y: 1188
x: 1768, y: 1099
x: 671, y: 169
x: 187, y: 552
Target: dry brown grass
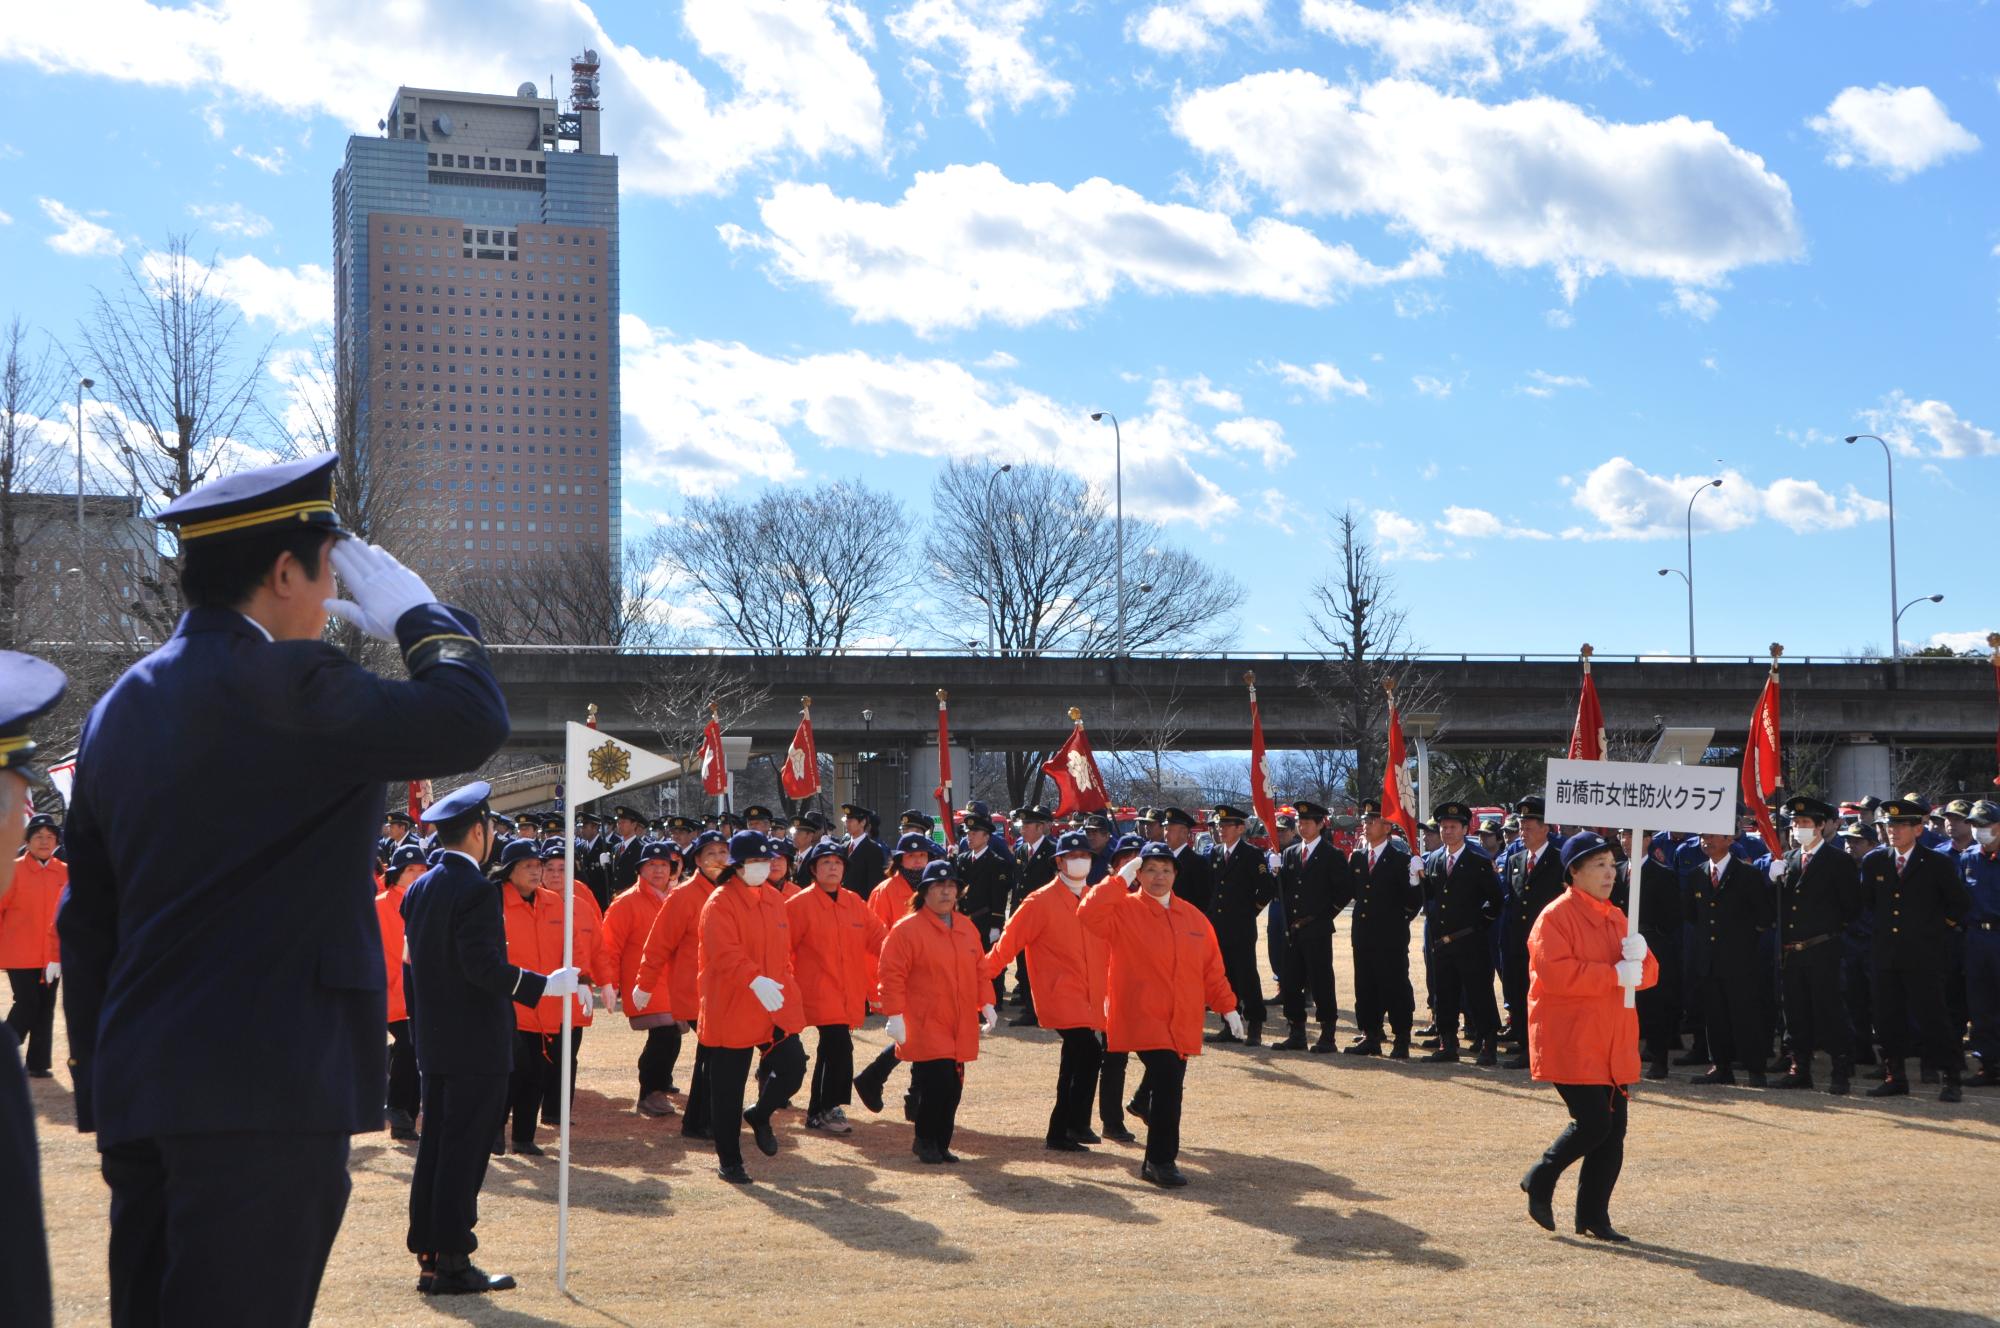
x: 1324, y: 1190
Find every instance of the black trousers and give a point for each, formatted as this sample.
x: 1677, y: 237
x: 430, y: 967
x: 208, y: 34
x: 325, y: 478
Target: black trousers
x: 1815, y: 1010
x: 24, y: 1271
x: 657, y: 1058
x: 1021, y: 987
x: 1514, y: 980
x: 1659, y: 1006
x: 1911, y: 1017
x: 1239, y: 961
x: 1382, y: 990
x: 694, y: 1115
x: 728, y: 1069
x: 1309, y: 969
x: 534, y: 1061
x: 833, y: 1070
x: 1076, y: 1082
x: 1860, y: 991
x: 1166, y: 1077
x: 552, y: 1083
x: 1596, y: 1134
x: 33, y: 1015
x: 462, y: 1112
x: 1464, y: 972
x: 937, y: 1085
x: 876, y: 1075
x: 1734, y: 1006
x: 403, y: 1092
x: 223, y: 1228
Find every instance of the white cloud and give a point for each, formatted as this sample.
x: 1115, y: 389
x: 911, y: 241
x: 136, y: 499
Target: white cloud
x: 1428, y: 386
x: 1478, y: 523
x: 294, y: 299
x: 6, y: 218
x: 1264, y: 437
x: 1628, y: 502
x: 1191, y: 27
x: 1546, y: 385
x: 1804, y: 507
x: 1952, y: 436
x: 1743, y: 11
x: 801, y: 86
x: 1961, y: 642
x: 1694, y: 303
x: 999, y: 359
x: 1402, y: 539
x: 966, y: 244
x: 1323, y: 380
x: 1560, y: 319
x: 990, y: 40
x: 1273, y: 506
x: 79, y: 236
x: 1413, y: 38
x: 1529, y: 183
x: 1898, y: 131
x: 230, y: 219
x: 271, y: 163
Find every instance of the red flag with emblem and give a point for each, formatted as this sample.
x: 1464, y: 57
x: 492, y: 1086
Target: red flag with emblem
x: 943, y: 790
x: 714, y: 765
x: 1074, y: 770
x: 1993, y: 640
x: 1261, y: 800
x: 1398, y: 795
x: 1586, y: 736
x: 801, y: 773
x: 1763, y: 757
x: 420, y: 798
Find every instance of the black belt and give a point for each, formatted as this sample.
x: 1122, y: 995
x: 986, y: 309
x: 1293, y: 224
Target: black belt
x: 1793, y: 947
x: 1458, y: 935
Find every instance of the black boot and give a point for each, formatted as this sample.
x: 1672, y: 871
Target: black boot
x: 1843, y: 1074
x: 1950, y: 1092
x: 1541, y: 1198
x: 457, y: 1275
x: 1894, y: 1082
x: 1296, y: 1041
x: 1489, y: 1053
x: 1447, y: 1052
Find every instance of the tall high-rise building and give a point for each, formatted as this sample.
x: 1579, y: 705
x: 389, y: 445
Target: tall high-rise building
x: 475, y: 249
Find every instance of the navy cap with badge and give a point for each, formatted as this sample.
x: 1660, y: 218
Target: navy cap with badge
x: 823, y: 849
x: 1176, y: 816
x: 915, y: 843
x: 1454, y: 811
x: 941, y: 870
x: 1580, y: 846
x: 748, y: 846
x: 459, y: 802
x: 757, y: 812
x: 1309, y: 811
x: 1036, y: 813
x: 1813, y: 807
x: 703, y: 840
x: 1072, y: 841
x: 29, y: 689
x: 1156, y: 849
x: 659, y: 850
x: 409, y: 855
x: 257, y: 502
x: 1907, y: 808
x: 1227, y: 815
x: 41, y: 821
x: 518, y: 850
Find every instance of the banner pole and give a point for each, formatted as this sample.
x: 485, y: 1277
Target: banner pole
x: 569, y: 952
x: 1638, y: 858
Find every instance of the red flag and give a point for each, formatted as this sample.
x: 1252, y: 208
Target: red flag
x: 1074, y: 769
x: 1586, y: 737
x: 1261, y: 800
x: 943, y: 790
x: 420, y: 798
x: 1993, y: 640
x: 1398, y: 796
x: 1763, y: 763
x: 801, y: 773
x: 714, y: 765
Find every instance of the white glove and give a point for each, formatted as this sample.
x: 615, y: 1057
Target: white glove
x: 895, y: 1029
x: 640, y: 999
x: 607, y: 996
x: 1130, y: 871
x: 562, y: 982
x: 604, y: 859
x: 53, y: 971
x: 383, y: 590
x: 993, y: 936
x: 1631, y: 972
x: 1234, y: 1023
x: 583, y: 994
x: 770, y: 995
x: 989, y: 1019
x: 1416, y: 871
x: 1633, y: 947
x: 1777, y: 869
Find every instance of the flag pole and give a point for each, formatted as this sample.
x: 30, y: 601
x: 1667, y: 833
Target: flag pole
x: 722, y: 798
x: 569, y: 952
x: 1993, y: 641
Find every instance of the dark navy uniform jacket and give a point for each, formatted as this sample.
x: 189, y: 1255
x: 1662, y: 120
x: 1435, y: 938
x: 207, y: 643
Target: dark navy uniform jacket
x: 235, y: 982
x: 459, y: 981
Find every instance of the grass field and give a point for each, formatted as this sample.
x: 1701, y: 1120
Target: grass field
x: 1325, y: 1190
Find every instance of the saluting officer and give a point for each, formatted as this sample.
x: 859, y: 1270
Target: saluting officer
x: 226, y: 1009
x: 1386, y: 900
x: 1462, y: 897
x: 1314, y: 884
x: 1918, y: 895
x: 1243, y: 886
x: 1535, y: 879
x: 1819, y: 893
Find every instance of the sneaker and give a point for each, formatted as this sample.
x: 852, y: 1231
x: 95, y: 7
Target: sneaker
x: 837, y: 1122
x: 655, y: 1103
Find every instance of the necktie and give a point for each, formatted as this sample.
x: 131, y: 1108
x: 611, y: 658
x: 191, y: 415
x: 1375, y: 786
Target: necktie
x: 1715, y: 873
x: 1902, y: 861
x: 1530, y: 869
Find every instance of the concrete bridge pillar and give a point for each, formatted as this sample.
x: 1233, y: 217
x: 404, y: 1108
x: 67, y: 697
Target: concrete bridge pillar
x: 1859, y: 767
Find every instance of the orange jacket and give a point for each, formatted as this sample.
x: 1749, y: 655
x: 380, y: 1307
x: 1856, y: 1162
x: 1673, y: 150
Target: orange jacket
x: 744, y: 935
x: 890, y: 903
x: 835, y: 939
x: 535, y: 942
x: 626, y: 925
x: 1579, y: 1031
x: 389, y: 915
x: 670, y: 960
x: 1165, y: 968
x: 930, y: 976
x: 28, y: 913
x: 1066, y: 964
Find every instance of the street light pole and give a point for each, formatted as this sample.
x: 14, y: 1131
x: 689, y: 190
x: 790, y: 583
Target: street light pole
x: 1118, y: 491
x: 81, y: 384
x: 1896, y: 626
x: 991, y: 617
x: 1889, y: 461
x: 1689, y: 577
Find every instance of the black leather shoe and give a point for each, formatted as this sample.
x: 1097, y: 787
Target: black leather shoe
x: 951, y: 1158
x: 927, y: 1152
x: 1515, y: 1062
x: 1756, y: 1079
x: 870, y: 1095
x: 1221, y: 1036
x: 1401, y: 1051
x: 1950, y: 1092
x: 1602, y: 1231
x: 701, y: 1132
x: 1253, y: 1036
x: 1064, y: 1145
x: 1839, y: 1087
x: 1143, y: 1111
x: 1296, y: 1041
x: 1657, y: 1069
x: 1793, y: 1079
x: 528, y: 1149
x: 1488, y: 1054
x: 1890, y: 1088
x: 1167, y: 1176
x: 761, y: 1131
x: 1715, y: 1079
x: 1363, y: 1048
x: 910, y: 1108
x: 427, y: 1268
x: 1929, y: 1076
x: 734, y: 1174
x: 1442, y: 1056
x: 1429, y: 1030
x: 457, y: 1275
x: 1692, y: 1058
x: 1120, y: 1135
x: 1984, y: 1079
x: 1325, y: 1045
x: 1541, y: 1208
x: 1086, y: 1136
x: 1027, y: 1020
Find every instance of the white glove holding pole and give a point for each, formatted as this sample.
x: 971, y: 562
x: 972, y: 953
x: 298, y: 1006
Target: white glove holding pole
x: 381, y: 589
x: 770, y: 994
x: 562, y: 982
x: 895, y: 1029
x: 1416, y: 871
x: 989, y: 1019
x: 1234, y: 1023
x: 1777, y: 869
x: 53, y: 972
x: 1631, y: 972
x: 1633, y: 947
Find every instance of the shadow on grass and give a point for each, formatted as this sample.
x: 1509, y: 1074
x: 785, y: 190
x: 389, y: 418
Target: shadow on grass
x: 1272, y: 1195
x: 1795, y: 1289
x: 843, y: 1202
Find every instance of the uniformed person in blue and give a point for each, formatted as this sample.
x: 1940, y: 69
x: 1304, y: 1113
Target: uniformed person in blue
x: 462, y: 991
x: 1462, y: 897
x: 1819, y: 893
x: 226, y: 1005
x: 1386, y: 901
x: 1918, y: 896
x: 1243, y: 886
x: 29, y: 688
x: 1979, y: 867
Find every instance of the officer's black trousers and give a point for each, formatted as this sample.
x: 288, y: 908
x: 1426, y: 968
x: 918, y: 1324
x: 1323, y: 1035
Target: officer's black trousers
x: 1382, y: 991
x: 1166, y: 1076
x: 462, y: 1112
x: 1659, y: 1006
x: 534, y: 1061
x: 657, y: 1057
x: 1595, y: 1133
x: 1911, y: 1017
x: 728, y: 1067
x: 1464, y: 972
x: 24, y: 1270
x: 223, y: 1228
x: 937, y: 1086
x: 694, y: 1115
x: 1076, y: 1082
x: 1239, y: 961
x: 1735, y: 1019
x: 33, y: 1015
x: 552, y: 1079
x: 402, y: 1091
x: 833, y: 1070
x: 1982, y: 992
x: 1514, y: 981
x: 1815, y: 1011
x: 1860, y: 992
x: 1308, y: 968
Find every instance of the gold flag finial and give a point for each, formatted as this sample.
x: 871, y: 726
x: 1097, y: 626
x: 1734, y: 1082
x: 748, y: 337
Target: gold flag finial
x: 591, y: 711
x: 1076, y: 715
x: 1389, y: 686
x: 942, y: 695
x: 805, y: 703
x: 1249, y: 678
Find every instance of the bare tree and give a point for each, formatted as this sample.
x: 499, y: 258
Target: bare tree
x: 676, y: 700
x: 1142, y: 749
x: 570, y: 596
x: 30, y: 466
x: 809, y: 572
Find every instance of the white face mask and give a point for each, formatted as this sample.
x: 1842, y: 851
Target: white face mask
x: 1987, y: 835
x: 1805, y: 836
x: 754, y: 873
x: 1076, y: 868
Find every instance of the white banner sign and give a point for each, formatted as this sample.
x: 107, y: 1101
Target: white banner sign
x: 1628, y: 795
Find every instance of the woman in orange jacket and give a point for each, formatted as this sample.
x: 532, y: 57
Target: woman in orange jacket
x: 894, y: 898
x: 1066, y: 971
x: 1165, y: 971
x: 834, y: 938
x: 406, y: 864
x: 748, y: 1000
x: 533, y: 918
x: 937, y: 1005
x: 29, y: 950
x: 670, y: 963
x: 1581, y: 1036
x: 626, y: 925
x: 592, y: 966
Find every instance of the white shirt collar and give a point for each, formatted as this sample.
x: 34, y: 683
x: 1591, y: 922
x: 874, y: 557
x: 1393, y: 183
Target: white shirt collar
x: 262, y: 630
x: 455, y: 853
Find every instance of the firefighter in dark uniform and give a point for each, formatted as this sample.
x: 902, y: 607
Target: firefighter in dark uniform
x: 1386, y: 901
x: 1919, y: 898
x: 1733, y: 907
x: 1462, y: 897
x: 1244, y: 886
x: 1535, y: 878
x: 1314, y: 885
x: 985, y: 877
x: 1034, y: 867
x: 1819, y: 893
x: 1658, y: 1006
x: 1192, y: 877
x: 401, y: 832
x: 593, y: 847
x: 867, y: 863
x: 624, y: 869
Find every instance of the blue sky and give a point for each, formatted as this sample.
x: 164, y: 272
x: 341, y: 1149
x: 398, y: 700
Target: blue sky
x: 1510, y: 277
